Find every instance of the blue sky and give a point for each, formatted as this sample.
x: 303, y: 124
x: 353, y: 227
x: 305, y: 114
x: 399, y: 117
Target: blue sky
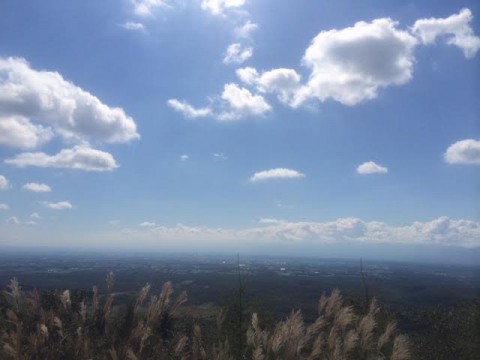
x: 235, y: 124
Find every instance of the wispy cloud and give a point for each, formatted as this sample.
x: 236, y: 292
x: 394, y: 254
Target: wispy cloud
x: 220, y: 156
x: 61, y: 205
x: 218, y: 7
x: 237, y: 54
x: 246, y: 29
x: 133, y: 26
x: 188, y: 110
x: 13, y: 220
x: 146, y: 8
x: 454, y: 30
x: 3, y: 182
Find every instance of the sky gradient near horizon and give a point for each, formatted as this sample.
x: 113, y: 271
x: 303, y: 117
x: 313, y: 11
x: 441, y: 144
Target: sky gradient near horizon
x: 231, y: 124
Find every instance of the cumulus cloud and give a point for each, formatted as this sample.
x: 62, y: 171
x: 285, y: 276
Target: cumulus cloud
x: 147, y: 224
x: 234, y: 103
x: 284, y: 82
x: 218, y: 7
x: 4, y: 207
x: 19, y: 132
x: 184, y: 157
x: 440, y: 232
x: 3, y: 182
x: 248, y: 75
x: 463, y: 152
x: 80, y: 157
x: 145, y: 8
x: 246, y: 29
x: 371, y: 167
x: 236, y: 54
x: 279, y: 80
x: 13, y: 220
x: 188, y: 110
x: 350, y: 65
x: 28, y: 96
x: 61, y: 205
x: 278, y: 173
x: 38, y: 188
x: 241, y: 102
x: 133, y: 26
x: 455, y: 30
x: 34, y: 216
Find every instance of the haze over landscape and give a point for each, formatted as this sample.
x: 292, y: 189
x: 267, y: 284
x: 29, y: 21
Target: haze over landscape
x: 319, y: 128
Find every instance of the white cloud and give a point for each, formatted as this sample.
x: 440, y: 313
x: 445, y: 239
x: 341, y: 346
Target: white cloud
x: 3, y: 182
x: 19, y: 132
x: 187, y: 110
x: 242, y: 103
x: 78, y: 158
x: 279, y: 80
x: 184, y: 157
x: 39, y: 188
x: 248, y: 75
x: 218, y: 7
x: 28, y: 96
x: 246, y: 29
x: 220, y: 156
x: 34, y: 216
x: 236, y: 54
x: 371, y: 167
x: 269, y: 221
x: 145, y: 8
x: 13, y: 220
x: 442, y: 231
x: 278, y: 173
x: 147, y: 224
x: 133, y: 26
x: 455, y: 30
x: 4, y: 207
x: 463, y: 152
x: 351, y: 64
x: 284, y: 82
x: 61, y: 205
x: 237, y: 103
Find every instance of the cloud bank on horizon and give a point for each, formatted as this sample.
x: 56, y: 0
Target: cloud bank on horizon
x: 59, y: 137
x: 279, y: 233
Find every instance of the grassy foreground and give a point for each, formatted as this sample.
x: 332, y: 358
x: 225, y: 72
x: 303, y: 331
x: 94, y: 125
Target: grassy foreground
x: 88, y: 325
